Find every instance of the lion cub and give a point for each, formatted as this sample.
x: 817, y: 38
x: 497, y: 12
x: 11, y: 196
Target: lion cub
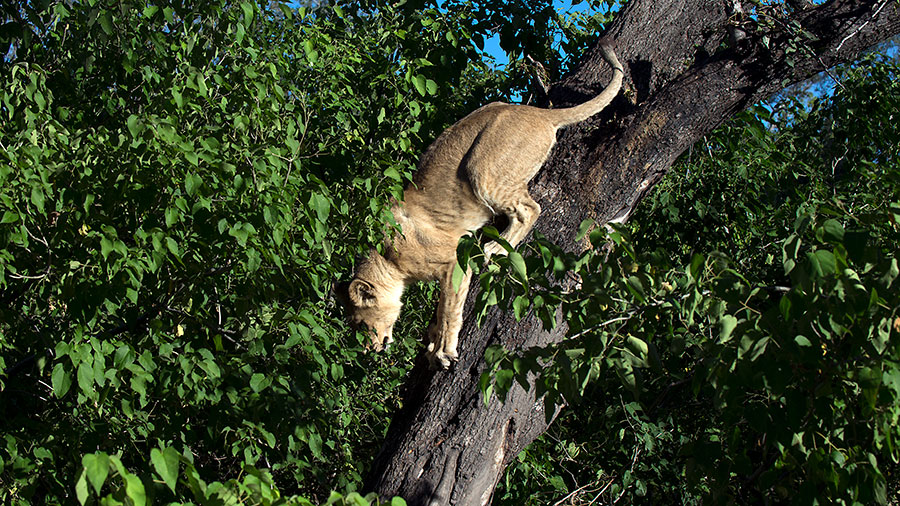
x: 477, y: 168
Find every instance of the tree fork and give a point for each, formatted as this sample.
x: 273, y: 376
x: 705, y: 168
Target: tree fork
x: 445, y: 446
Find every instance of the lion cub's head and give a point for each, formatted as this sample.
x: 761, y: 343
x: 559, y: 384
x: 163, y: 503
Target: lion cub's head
x: 372, y: 300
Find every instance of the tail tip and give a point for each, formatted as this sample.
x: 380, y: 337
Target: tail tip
x: 608, y: 49
x: 607, y: 42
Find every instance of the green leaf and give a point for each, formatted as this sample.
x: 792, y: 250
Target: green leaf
x: 881, y: 336
x: 201, y: 85
x: 697, y: 262
x: 487, y: 392
x: 60, y: 380
x: 81, y: 488
x: 494, y: 354
x: 834, y: 231
x: 165, y: 463
x: 634, y: 285
x: 257, y: 382
x: 419, y: 82
x: 414, y: 108
x: 240, y: 233
x: 134, y: 489
x: 891, y: 274
x: 37, y: 198
x: 503, y: 380
x: 293, y: 144
x: 106, y: 23
x: 315, y: 446
x: 167, y: 133
x: 583, y: 228
x: 9, y: 217
x: 518, y: 265
x: 638, y: 346
x: 191, y: 183
x: 106, y: 247
x: 457, y: 276
x: 86, y: 378
x: 312, y: 55
x: 759, y: 347
x: 135, y: 125
x: 96, y: 468
x: 172, y: 216
x: 822, y: 262
x: 802, y: 341
x: 626, y: 375
x: 520, y: 306
x: 486, y: 386
x: 558, y: 483
x: 727, y: 323
x: 247, y: 7
x: 789, y: 252
x: 321, y: 205
x: 254, y: 260
x: 491, y: 233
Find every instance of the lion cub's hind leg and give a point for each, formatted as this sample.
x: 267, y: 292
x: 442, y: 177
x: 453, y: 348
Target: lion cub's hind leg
x: 502, y: 160
x: 522, y: 212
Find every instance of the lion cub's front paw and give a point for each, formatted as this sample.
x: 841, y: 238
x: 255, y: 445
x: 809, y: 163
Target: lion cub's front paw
x: 440, y: 360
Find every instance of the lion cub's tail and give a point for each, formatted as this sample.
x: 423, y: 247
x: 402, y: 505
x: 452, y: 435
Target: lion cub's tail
x: 568, y: 116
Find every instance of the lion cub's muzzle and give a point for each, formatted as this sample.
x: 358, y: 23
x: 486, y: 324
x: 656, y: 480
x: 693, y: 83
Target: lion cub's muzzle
x: 375, y: 340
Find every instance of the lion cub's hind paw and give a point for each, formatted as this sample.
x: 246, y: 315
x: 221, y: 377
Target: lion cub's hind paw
x: 492, y: 249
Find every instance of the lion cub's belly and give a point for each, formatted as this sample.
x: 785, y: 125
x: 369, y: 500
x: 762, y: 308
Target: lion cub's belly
x: 432, y: 226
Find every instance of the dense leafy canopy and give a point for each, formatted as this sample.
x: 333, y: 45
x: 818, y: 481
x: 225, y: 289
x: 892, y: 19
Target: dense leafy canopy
x: 180, y: 185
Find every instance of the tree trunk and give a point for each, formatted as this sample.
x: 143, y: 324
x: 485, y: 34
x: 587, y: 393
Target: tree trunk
x: 445, y: 446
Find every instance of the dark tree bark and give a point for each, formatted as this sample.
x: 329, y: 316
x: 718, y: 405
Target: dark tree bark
x: 445, y: 446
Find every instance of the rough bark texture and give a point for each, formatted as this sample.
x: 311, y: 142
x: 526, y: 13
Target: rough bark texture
x: 445, y: 446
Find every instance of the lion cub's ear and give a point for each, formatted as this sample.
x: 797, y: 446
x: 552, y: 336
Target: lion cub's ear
x: 361, y: 293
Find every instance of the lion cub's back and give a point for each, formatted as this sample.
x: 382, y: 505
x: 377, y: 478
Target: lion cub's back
x: 440, y: 186
x: 444, y: 155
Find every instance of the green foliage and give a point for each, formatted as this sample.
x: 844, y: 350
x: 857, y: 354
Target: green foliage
x: 179, y: 186
x: 739, y: 341
x: 110, y: 481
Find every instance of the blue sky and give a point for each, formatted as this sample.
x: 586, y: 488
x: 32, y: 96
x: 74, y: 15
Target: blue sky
x: 492, y: 45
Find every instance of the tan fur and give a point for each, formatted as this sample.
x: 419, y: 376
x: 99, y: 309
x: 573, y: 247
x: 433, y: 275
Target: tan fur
x: 477, y: 168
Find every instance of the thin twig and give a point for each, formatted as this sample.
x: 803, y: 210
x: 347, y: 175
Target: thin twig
x: 603, y: 324
x: 570, y: 495
x: 610, y: 482
x: 20, y: 276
